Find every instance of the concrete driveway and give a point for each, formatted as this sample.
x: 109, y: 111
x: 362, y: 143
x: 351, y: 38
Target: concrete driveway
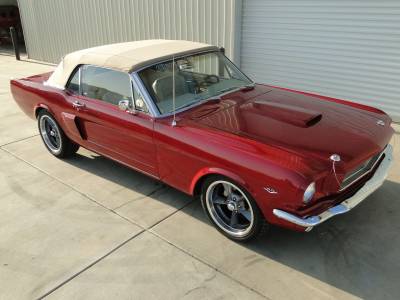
x: 88, y: 228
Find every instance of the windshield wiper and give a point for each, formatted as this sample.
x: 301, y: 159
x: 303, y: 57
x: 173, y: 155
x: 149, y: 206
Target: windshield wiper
x: 228, y: 89
x: 218, y: 98
x: 248, y: 87
x: 240, y: 88
x: 188, y: 104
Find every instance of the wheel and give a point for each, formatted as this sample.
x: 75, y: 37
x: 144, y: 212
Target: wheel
x: 54, y: 137
x: 231, y: 209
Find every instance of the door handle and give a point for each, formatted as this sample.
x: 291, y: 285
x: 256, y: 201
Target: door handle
x: 78, y: 105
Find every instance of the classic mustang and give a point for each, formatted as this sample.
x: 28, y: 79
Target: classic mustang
x: 183, y: 113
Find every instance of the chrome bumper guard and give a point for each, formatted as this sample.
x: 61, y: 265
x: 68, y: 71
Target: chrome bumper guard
x: 370, y: 186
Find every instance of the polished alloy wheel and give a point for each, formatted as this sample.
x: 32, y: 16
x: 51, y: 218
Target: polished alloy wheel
x: 50, y: 133
x: 229, y: 208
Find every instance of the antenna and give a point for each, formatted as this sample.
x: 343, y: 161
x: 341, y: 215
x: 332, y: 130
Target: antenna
x: 173, y: 92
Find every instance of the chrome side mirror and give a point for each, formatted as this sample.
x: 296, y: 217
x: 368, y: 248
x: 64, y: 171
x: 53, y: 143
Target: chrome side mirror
x: 124, y: 106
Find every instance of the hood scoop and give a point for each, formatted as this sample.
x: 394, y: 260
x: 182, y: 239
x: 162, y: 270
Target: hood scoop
x: 287, y: 113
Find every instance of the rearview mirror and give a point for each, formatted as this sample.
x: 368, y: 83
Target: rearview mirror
x: 184, y: 64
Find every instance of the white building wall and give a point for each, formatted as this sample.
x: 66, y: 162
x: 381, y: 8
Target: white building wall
x: 55, y: 27
x: 348, y: 49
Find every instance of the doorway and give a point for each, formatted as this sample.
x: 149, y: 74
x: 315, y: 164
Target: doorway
x: 10, y: 17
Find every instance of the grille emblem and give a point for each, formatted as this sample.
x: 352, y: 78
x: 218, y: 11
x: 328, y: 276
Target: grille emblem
x: 380, y: 123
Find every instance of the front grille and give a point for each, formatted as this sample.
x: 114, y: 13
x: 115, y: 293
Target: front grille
x: 360, y: 171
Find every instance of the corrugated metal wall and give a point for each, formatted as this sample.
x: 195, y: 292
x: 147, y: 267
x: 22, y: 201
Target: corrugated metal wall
x: 342, y: 48
x: 55, y: 27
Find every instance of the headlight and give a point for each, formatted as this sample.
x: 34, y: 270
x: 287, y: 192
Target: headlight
x: 309, y: 193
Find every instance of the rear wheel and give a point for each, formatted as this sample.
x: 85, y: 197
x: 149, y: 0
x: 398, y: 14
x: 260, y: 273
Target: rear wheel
x: 231, y: 209
x: 54, y: 137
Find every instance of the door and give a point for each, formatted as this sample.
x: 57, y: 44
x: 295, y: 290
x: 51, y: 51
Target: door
x: 122, y: 135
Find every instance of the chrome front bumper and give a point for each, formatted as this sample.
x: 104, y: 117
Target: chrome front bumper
x: 370, y: 186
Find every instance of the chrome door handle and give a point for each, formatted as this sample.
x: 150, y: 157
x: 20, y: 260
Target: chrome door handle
x: 78, y: 105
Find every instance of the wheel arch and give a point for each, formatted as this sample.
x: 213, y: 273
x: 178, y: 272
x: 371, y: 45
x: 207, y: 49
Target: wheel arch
x: 198, y: 179
x: 38, y: 108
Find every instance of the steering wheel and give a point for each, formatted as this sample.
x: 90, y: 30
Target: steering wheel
x: 211, y: 79
x: 206, y: 82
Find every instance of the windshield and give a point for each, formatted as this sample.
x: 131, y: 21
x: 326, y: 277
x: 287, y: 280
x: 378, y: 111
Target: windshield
x: 197, y: 77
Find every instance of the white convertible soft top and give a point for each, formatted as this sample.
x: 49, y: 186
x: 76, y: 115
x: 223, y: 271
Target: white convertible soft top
x: 126, y: 57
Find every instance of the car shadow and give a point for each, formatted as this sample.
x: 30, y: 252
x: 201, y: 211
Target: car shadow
x: 129, y: 178
x: 356, y: 252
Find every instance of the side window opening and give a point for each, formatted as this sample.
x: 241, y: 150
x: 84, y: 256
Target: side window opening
x: 73, y: 83
x: 106, y: 85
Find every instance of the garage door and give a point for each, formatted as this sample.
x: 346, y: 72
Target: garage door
x: 340, y: 48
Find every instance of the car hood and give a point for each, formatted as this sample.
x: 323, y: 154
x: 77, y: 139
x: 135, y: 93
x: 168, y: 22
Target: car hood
x: 299, y: 123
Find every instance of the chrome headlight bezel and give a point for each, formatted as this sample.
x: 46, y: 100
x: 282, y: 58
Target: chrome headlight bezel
x: 309, y: 193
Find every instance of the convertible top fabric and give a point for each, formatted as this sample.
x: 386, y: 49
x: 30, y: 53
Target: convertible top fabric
x: 126, y: 57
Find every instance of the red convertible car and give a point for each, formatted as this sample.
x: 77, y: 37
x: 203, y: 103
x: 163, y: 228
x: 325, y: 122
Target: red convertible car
x: 183, y: 113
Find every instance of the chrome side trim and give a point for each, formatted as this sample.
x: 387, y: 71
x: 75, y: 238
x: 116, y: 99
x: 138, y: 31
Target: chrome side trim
x: 370, y: 186
x: 79, y: 80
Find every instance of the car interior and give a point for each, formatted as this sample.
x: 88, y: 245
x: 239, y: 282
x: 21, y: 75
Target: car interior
x: 107, y: 85
x: 190, y: 84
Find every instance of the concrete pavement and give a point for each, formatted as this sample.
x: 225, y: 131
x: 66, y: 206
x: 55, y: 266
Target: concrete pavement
x: 89, y: 228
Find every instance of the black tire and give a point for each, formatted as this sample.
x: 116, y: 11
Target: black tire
x: 53, y: 137
x: 224, y: 208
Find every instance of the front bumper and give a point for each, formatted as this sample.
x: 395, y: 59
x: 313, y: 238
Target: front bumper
x: 370, y: 186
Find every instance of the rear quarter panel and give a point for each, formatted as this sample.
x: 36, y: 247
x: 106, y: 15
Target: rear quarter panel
x: 30, y: 93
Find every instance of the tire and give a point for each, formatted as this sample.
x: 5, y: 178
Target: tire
x: 53, y: 137
x: 231, y: 209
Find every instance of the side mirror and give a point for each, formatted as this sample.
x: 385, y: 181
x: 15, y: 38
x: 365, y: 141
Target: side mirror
x: 124, y: 106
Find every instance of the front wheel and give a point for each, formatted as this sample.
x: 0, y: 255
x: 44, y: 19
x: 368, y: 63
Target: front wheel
x: 54, y: 137
x: 231, y: 209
